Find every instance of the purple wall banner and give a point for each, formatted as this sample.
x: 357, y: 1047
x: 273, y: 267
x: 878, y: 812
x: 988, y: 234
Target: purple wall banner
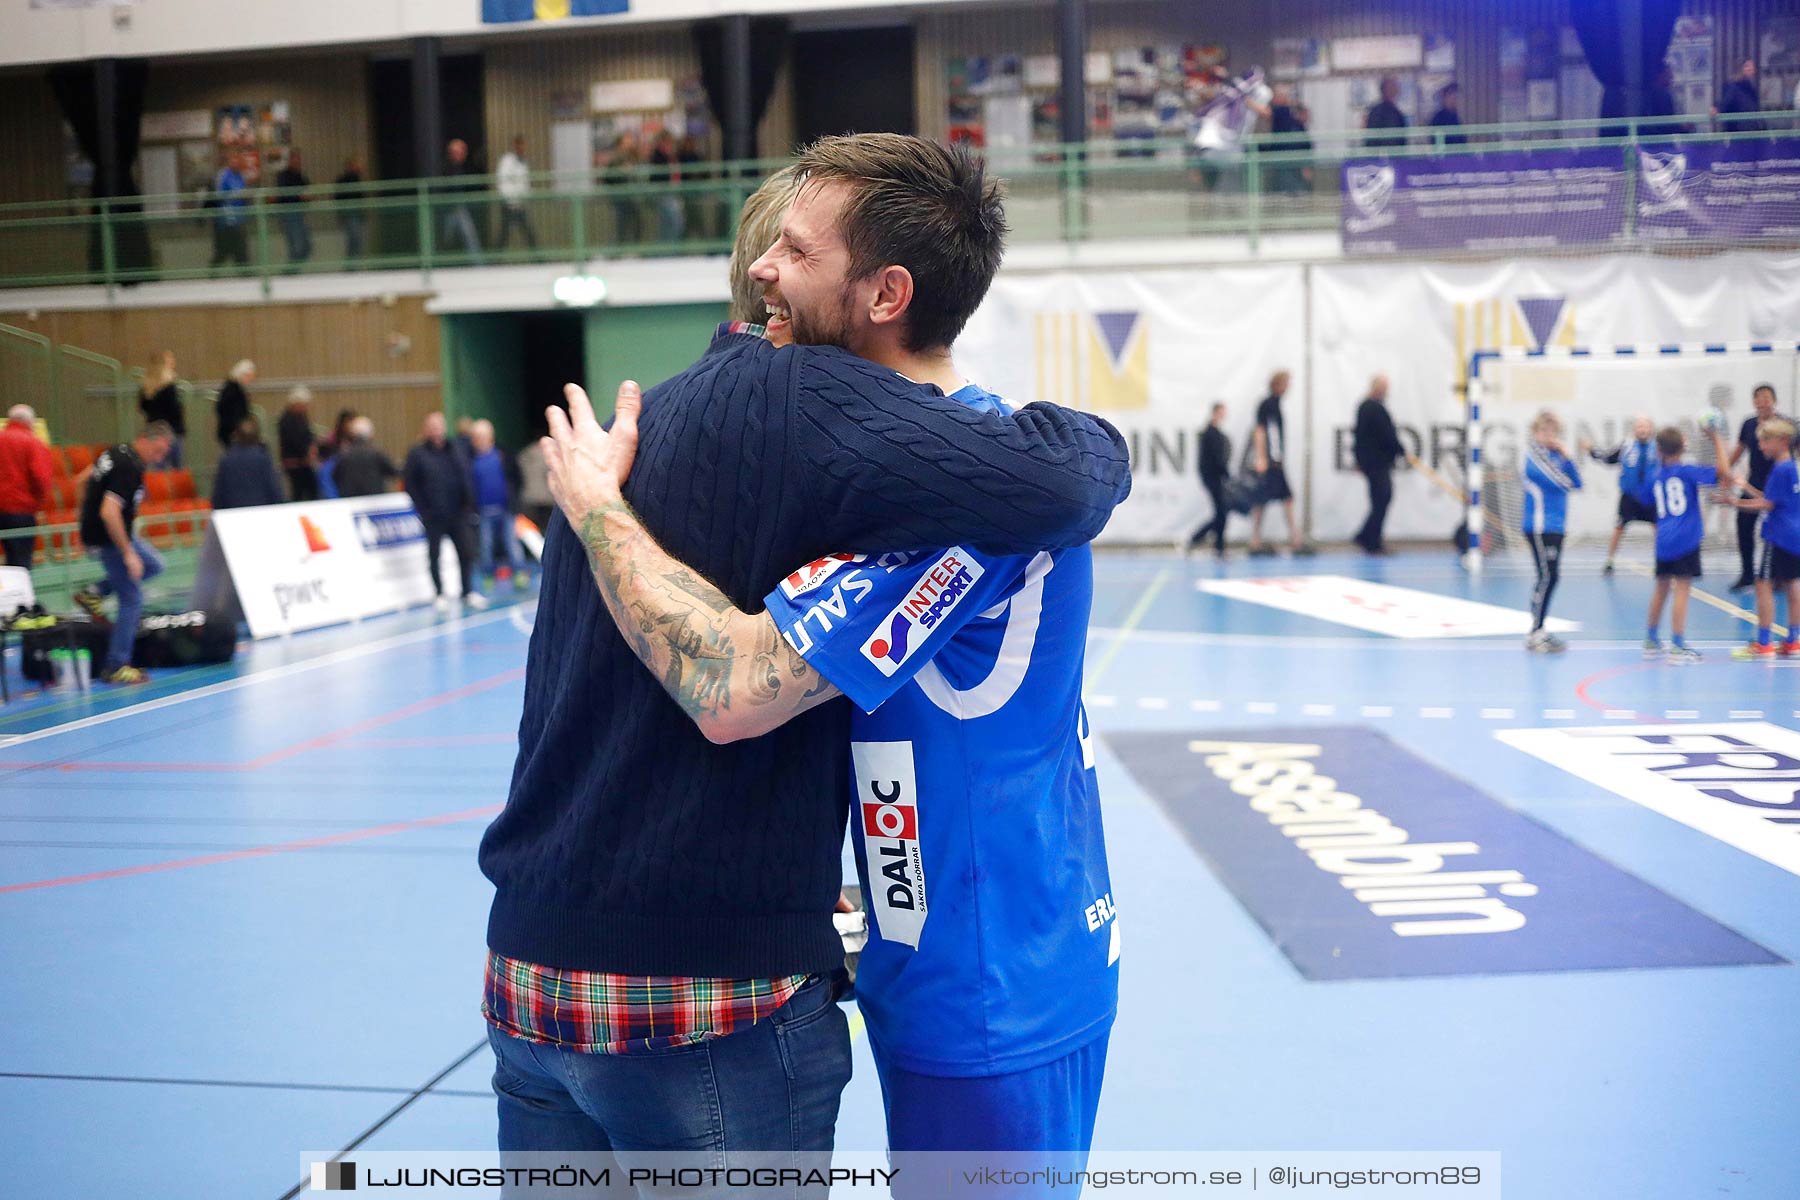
x: 1525, y: 200
x: 1719, y: 191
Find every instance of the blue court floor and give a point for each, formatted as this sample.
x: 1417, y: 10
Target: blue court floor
x: 242, y: 916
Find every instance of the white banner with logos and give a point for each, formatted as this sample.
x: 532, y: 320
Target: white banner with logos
x: 301, y: 566
x: 1150, y: 351
x: 1419, y: 323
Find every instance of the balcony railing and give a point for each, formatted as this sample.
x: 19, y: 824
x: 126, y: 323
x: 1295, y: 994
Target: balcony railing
x: 1056, y: 193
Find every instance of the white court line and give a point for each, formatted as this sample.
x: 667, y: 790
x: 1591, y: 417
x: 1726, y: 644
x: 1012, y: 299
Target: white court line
x: 348, y: 654
x: 1261, y: 708
x: 1746, y: 714
x: 1153, y: 703
x: 1682, y: 714
x: 1497, y: 714
x: 1319, y: 710
x: 1377, y: 710
x: 516, y: 614
x: 1102, y: 701
x: 1437, y: 714
x: 1559, y: 714
x: 1503, y: 644
x: 1619, y: 714
x: 1214, y: 706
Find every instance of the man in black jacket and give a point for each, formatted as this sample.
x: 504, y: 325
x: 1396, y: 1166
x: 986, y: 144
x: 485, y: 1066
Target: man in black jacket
x: 1386, y: 114
x: 246, y: 474
x: 363, y: 468
x: 437, y: 479
x: 1215, y: 469
x: 233, y: 403
x: 1377, y: 449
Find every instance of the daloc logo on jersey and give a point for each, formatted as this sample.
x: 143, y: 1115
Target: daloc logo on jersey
x: 814, y: 573
x: 936, y: 595
x: 887, y: 798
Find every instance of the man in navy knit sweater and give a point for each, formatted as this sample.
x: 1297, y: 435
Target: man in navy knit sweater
x: 661, y: 943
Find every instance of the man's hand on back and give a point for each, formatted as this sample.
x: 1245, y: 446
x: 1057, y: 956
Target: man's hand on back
x: 588, y: 465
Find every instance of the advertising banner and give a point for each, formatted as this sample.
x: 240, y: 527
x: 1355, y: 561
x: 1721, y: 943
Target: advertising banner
x: 1719, y: 191
x: 1537, y: 200
x: 301, y: 566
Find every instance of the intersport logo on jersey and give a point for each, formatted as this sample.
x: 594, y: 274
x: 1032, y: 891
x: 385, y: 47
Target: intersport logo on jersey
x: 938, y: 593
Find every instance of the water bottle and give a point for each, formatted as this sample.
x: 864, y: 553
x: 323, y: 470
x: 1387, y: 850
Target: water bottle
x: 62, y: 669
x: 84, y: 668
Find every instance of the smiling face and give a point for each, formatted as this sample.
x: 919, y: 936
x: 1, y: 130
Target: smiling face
x: 803, y: 275
x: 1764, y: 400
x: 1643, y: 429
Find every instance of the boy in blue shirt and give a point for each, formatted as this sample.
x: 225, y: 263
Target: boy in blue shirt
x: 1680, y: 528
x: 1550, y: 476
x: 1778, y: 565
x: 1636, y: 460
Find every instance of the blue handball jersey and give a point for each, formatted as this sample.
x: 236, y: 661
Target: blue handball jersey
x: 1781, y: 526
x: 993, y: 942
x: 1680, y: 523
x: 1549, y: 478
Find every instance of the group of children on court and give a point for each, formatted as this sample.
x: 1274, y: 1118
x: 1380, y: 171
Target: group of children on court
x: 1655, y: 486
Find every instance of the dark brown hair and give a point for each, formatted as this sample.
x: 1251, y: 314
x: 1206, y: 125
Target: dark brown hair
x: 928, y: 208
x: 1670, y: 442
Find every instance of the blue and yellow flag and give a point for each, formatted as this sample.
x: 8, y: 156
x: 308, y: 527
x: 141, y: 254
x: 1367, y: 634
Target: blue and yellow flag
x: 497, y: 12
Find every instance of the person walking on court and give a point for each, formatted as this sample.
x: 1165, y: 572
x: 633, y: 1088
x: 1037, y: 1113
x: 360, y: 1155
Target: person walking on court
x: 1215, y: 469
x: 25, y: 481
x: 246, y: 474
x: 159, y: 399
x: 496, y: 481
x: 1377, y: 448
x: 1268, y: 457
x: 112, y: 490
x: 233, y: 402
x: 299, y: 445
x: 1756, y: 475
x: 1636, y: 460
x: 437, y: 479
x: 1550, y: 476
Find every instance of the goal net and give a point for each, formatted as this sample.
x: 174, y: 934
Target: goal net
x: 1598, y: 394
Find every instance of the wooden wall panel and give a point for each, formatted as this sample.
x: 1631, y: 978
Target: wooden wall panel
x: 31, y: 128
x: 322, y: 345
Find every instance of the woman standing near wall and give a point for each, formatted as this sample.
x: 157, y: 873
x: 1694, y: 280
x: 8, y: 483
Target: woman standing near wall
x: 159, y: 399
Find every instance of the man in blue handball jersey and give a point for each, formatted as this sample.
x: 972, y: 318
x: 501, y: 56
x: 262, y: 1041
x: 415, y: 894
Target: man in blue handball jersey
x: 1636, y: 459
x: 1680, y: 528
x: 991, y: 977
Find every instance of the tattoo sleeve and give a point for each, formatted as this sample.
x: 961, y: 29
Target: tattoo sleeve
x: 732, y: 673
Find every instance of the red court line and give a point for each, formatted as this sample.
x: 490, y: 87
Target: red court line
x: 1611, y: 673
x: 323, y: 741
x: 207, y: 860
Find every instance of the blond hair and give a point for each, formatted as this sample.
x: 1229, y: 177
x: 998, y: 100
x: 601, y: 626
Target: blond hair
x: 759, y: 227
x: 1776, y: 427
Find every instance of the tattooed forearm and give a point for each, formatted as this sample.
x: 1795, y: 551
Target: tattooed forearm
x: 689, y: 633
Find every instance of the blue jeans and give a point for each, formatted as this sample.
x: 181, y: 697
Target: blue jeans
x: 299, y: 237
x: 768, y: 1093
x: 118, y: 582
x: 497, y: 531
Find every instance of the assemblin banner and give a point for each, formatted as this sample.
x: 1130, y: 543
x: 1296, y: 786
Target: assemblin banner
x: 1727, y: 191
x: 1151, y: 351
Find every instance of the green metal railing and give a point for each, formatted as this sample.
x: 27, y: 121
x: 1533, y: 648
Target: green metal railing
x: 1077, y: 192
x: 62, y: 565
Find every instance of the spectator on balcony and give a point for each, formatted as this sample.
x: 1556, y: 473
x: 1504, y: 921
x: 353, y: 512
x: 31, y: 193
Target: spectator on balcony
x: 246, y: 475
x: 363, y: 468
x: 111, y: 490
x: 229, y: 186
x: 1385, y: 114
x: 1289, y: 119
x: 350, y: 215
x: 514, y: 181
x: 459, y: 220
x: 1448, y: 116
x: 670, y: 218
x: 159, y: 399
x: 290, y: 183
x: 695, y: 202
x: 25, y: 473
x: 1740, y: 96
x: 1659, y: 101
x: 299, y: 446
x: 233, y: 403
x: 623, y: 171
